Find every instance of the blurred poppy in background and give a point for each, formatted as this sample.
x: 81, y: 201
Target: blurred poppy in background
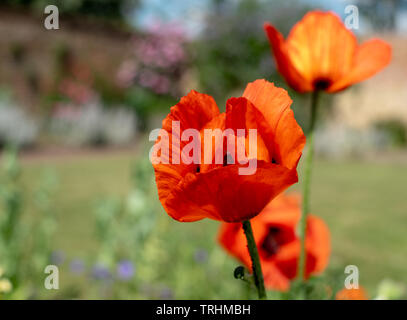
x: 278, y: 244
x: 190, y: 192
x: 320, y: 53
x: 351, y: 294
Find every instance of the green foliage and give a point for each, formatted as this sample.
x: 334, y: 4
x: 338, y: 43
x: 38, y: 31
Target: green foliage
x: 124, y: 228
x: 234, y: 49
x: 145, y: 103
x: 183, y: 260
x: 231, y: 50
x: 25, y: 247
x: 10, y: 228
x: 395, y: 130
x: 390, y: 290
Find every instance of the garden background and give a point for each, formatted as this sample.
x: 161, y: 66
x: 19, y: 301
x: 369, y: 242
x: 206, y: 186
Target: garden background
x: 77, y: 104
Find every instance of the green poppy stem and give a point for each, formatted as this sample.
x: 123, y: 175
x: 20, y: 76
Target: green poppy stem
x: 306, y: 184
x: 254, y: 255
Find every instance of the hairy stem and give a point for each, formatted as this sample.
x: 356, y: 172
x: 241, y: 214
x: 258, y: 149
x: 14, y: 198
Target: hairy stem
x: 254, y: 255
x: 306, y: 184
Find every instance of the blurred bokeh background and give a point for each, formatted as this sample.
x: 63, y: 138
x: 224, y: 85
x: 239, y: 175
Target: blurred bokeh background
x: 77, y: 104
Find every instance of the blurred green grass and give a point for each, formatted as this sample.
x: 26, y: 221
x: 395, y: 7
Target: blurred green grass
x: 365, y: 207
x: 363, y: 203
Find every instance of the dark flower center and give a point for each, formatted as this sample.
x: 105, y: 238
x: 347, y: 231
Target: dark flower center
x: 270, y: 244
x: 322, y: 83
x: 275, y: 238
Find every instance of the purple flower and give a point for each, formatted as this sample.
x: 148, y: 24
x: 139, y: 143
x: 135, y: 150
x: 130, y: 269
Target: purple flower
x: 201, y: 255
x: 100, y: 272
x: 77, y: 266
x: 125, y: 270
x: 166, y: 293
x: 57, y: 257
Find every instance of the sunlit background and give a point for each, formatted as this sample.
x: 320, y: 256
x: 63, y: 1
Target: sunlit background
x: 76, y: 106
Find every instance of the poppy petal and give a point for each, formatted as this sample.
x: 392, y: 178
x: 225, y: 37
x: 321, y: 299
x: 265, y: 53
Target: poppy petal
x: 371, y: 57
x: 274, y: 104
x: 209, y: 148
x: 274, y: 278
x: 194, y: 110
x: 223, y: 194
x: 166, y: 177
x: 318, y: 248
x: 279, y: 220
x: 281, y: 215
x: 241, y: 114
x: 321, y: 48
x: 284, y: 65
x: 318, y: 242
x: 231, y: 237
x: 352, y: 294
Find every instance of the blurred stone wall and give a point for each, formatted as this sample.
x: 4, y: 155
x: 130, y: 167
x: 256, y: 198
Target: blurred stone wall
x: 28, y: 51
x: 380, y: 98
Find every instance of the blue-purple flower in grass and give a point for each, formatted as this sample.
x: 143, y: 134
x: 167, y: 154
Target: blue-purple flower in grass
x: 77, y: 266
x: 125, y: 270
x: 57, y: 257
x: 100, y: 272
x: 201, y: 255
x: 166, y: 293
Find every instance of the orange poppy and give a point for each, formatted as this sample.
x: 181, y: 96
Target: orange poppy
x: 351, y: 294
x: 277, y: 242
x: 190, y: 192
x: 320, y: 53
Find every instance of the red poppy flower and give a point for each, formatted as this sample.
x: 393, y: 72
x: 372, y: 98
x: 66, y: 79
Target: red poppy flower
x: 321, y: 53
x: 277, y: 242
x: 190, y: 192
x: 351, y: 294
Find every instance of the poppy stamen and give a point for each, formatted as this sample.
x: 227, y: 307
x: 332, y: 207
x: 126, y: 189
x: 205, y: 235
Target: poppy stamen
x: 271, y: 243
x: 322, y: 83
